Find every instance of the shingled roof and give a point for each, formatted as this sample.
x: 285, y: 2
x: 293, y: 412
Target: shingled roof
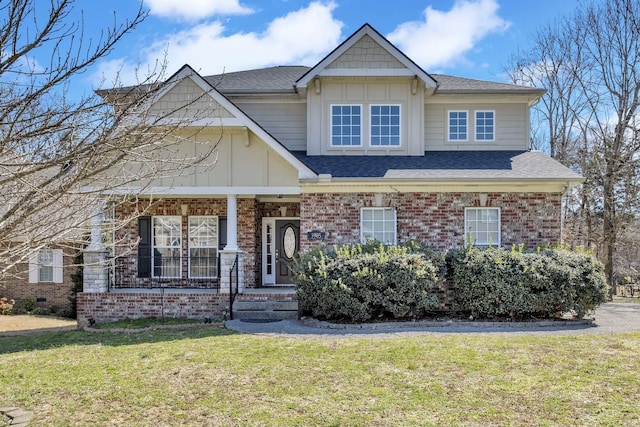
x: 452, y: 165
x: 282, y: 79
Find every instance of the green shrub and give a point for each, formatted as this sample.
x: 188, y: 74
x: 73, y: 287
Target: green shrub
x: 363, y: 282
x: 28, y: 304
x: 498, y: 283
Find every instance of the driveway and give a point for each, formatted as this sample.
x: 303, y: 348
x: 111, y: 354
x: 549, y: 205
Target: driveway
x: 607, y: 319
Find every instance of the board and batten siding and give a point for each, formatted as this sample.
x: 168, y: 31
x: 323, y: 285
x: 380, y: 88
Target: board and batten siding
x: 511, y: 127
x: 285, y: 121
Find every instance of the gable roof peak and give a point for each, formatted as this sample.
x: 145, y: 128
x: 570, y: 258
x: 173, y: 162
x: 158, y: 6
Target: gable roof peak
x: 410, y: 68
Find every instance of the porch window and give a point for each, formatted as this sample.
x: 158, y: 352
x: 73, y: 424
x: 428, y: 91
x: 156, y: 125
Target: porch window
x: 203, y: 246
x: 378, y: 224
x: 458, y: 125
x: 167, y: 246
x: 482, y: 226
x: 346, y: 127
x: 385, y: 125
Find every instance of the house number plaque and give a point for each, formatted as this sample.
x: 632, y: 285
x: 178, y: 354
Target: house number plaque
x: 315, y: 235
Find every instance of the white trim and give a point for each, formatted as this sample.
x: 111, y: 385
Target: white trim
x: 486, y: 208
x: 449, y: 126
x: 399, y: 127
x: 33, y: 267
x: 331, y: 125
x: 57, y: 266
x: 383, y: 208
x: 202, y: 191
x: 268, y: 279
x: 217, y: 224
x: 367, y: 72
x: 366, y: 29
x: 154, y: 246
x: 475, y: 125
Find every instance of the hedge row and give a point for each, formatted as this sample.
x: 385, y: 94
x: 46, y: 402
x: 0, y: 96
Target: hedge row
x: 364, y: 282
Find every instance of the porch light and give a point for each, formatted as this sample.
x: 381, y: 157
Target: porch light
x: 185, y: 209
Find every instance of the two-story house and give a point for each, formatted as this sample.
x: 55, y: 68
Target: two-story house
x: 363, y: 145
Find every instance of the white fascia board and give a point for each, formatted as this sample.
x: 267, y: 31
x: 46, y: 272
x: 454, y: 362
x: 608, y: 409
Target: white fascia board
x: 354, y: 38
x: 204, y: 191
x: 366, y: 72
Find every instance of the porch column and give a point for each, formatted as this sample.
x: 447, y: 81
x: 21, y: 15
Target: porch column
x: 232, y: 223
x: 95, y: 277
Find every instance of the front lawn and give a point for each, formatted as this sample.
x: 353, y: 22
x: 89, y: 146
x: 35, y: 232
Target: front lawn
x: 212, y: 377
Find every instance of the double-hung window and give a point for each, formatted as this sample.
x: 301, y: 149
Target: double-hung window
x: 482, y: 226
x: 203, y: 246
x: 378, y: 224
x: 346, y: 125
x: 458, y: 121
x: 385, y: 125
x: 167, y: 246
x: 485, y: 125
x: 45, y: 266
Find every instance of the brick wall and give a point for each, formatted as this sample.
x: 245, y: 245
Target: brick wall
x: 109, y: 307
x: 436, y: 219
x: 55, y: 295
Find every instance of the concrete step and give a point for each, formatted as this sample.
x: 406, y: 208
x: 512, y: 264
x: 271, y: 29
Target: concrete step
x: 265, y: 309
x: 265, y: 305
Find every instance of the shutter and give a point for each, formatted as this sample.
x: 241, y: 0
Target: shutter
x: 33, y: 268
x: 57, y: 266
x: 222, y: 232
x: 144, y: 246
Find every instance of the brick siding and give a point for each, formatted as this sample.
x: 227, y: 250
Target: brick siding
x: 437, y: 219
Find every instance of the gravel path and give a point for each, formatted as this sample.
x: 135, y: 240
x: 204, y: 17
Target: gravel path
x: 607, y: 319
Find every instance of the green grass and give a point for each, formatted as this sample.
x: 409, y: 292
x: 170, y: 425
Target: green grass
x: 210, y: 376
x: 145, y: 323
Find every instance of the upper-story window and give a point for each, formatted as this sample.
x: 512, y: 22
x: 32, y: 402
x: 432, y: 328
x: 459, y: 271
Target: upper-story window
x: 346, y: 125
x: 458, y: 121
x: 385, y: 125
x: 485, y: 125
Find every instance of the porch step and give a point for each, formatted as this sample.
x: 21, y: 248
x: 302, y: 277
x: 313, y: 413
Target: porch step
x: 265, y: 310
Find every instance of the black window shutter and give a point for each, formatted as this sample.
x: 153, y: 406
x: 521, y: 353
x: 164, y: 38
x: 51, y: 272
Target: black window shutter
x: 222, y: 232
x: 144, y: 247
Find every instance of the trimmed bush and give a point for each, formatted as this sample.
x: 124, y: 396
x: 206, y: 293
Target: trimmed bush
x: 358, y: 283
x: 498, y: 283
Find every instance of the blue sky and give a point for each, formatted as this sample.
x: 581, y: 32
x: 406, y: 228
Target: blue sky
x: 467, y: 38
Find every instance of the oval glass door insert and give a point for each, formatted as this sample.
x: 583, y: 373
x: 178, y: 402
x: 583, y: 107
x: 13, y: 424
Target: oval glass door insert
x: 289, y: 242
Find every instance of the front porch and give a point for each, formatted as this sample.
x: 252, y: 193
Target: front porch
x: 130, y: 303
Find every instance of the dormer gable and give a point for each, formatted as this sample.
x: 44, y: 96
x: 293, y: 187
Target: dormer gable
x: 366, y: 53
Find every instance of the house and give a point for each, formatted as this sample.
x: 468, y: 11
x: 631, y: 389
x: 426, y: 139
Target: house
x: 362, y: 145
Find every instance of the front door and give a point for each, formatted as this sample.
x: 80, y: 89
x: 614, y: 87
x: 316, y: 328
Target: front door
x: 287, y: 245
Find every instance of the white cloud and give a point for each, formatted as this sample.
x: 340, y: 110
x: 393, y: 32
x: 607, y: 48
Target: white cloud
x: 301, y: 37
x: 194, y: 10
x: 443, y: 38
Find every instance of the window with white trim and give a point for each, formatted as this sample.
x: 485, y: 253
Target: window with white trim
x: 346, y: 125
x: 378, y: 224
x: 385, y: 125
x: 482, y: 226
x: 458, y: 121
x: 45, y: 266
x: 203, y: 246
x: 485, y: 125
x: 167, y: 246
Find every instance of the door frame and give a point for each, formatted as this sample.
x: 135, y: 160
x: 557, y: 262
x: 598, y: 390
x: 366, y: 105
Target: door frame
x: 270, y: 279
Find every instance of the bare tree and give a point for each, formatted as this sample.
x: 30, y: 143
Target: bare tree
x: 60, y: 153
x: 591, y: 111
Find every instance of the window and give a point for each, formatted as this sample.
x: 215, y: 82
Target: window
x: 378, y: 224
x: 482, y: 226
x: 457, y: 125
x: 45, y: 266
x: 167, y: 246
x: 485, y: 121
x: 385, y: 125
x: 203, y: 246
x: 346, y: 128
